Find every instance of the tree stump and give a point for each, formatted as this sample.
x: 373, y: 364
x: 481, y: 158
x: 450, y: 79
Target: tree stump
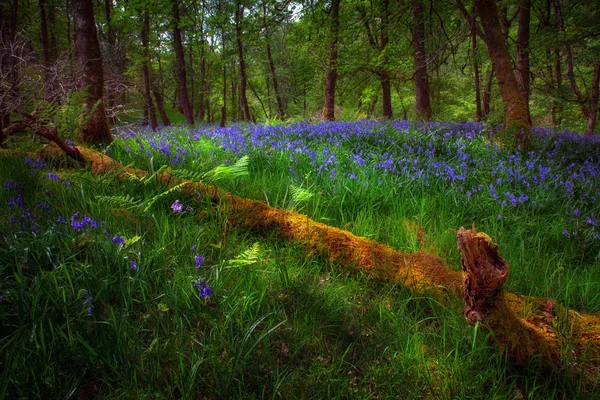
x: 484, y: 275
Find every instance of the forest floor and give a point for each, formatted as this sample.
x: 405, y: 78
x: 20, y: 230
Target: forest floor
x: 123, y: 287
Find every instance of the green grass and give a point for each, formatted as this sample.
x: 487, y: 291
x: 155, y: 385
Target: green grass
x: 281, y: 323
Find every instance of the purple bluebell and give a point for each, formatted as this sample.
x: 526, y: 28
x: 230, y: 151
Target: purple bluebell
x: 203, y: 289
x: 199, y: 260
x: 177, y: 206
x: 117, y: 240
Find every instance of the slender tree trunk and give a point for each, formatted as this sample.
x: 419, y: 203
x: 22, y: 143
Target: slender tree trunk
x: 239, y: 16
x: 515, y: 108
x: 280, y: 111
x: 479, y: 112
x: 224, y: 107
x: 423, y: 102
x: 45, y: 43
x: 202, y: 110
x: 181, y: 73
x: 146, y: 70
x: 523, y: 72
x: 160, y: 105
x: 593, y: 110
x: 386, y: 89
x: 487, y: 94
x: 87, y: 47
x: 331, y: 78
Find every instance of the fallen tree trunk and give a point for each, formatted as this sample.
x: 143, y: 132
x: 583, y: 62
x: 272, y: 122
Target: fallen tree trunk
x: 523, y: 328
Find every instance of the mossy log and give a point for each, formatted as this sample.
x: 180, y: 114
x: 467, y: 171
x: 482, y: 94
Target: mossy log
x: 524, y: 328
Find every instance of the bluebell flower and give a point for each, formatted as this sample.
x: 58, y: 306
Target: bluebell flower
x: 133, y: 265
x: 117, y: 240
x: 199, y: 260
x: 53, y: 177
x: 177, y: 207
x: 203, y: 289
x: 87, y: 302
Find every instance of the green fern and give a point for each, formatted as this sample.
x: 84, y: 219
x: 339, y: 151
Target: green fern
x: 221, y: 172
x: 248, y: 257
x: 149, y: 178
x: 127, y: 202
x: 239, y: 169
x: 153, y: 200
x: 299, y: 195
x: 188, y: 174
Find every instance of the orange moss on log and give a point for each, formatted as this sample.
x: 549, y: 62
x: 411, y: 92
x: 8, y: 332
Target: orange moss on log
x: 524, y: 327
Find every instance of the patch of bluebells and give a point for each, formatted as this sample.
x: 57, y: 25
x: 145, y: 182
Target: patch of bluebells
x: 462, y: 158
x: 80, y: 222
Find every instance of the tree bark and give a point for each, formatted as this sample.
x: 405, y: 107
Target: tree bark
x: 487, y: 94
x: 181, y: 73
x: 87, y: 47
x: 523, y: 72
x: 593, y: 111
x: 160, y: 105
x: 386, y: 89
x: 331, y: 77
x: 515, y: 109
x: 280, y: 111
x: 239, y: 16
x: 45, y: 43
x: 146, y: 70
x: 479, y: 111
x: 423, y: 102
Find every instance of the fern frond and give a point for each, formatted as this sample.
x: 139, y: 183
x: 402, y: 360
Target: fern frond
x: 149, y: 178
x: 188, y: 174
x: 127, y: 202
x: 299, y: 195
x: 153, y: 200
x: 249, y: 256
x: 240, y: 168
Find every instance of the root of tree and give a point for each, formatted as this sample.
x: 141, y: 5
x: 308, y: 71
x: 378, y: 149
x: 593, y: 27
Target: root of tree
x: 523, y: 328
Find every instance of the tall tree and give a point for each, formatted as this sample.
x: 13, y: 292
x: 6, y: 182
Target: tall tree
x: 515, y: 109
x: 523, y: 72
x: 182, y: 90
x: 588, y: 101
x: 239, y: 17
x: 45, y: 41
x: 331, y: 77
x: 87, y: 47
x: 423, y: 102
x: 376, y: 24
x: 146, y: 70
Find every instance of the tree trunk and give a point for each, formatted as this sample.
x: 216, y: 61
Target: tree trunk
x: 523, y: 72
x: 331, y: 78
x: 239, y: 16
x: 487, y: 94
x: 45, y: 43
x: 87, y: 47
x: 479, y: 112
x: 423, y: 102
x: 280, y: 111
x: 160, y: 105
x: 515, y: 108
x: 593, y: 110
x: 224, y: 107
x: 181, y: 73
x: 386, y: 89
x: 146, y: 70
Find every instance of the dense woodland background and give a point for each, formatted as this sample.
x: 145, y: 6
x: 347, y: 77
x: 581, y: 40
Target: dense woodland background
x: 222, y: 61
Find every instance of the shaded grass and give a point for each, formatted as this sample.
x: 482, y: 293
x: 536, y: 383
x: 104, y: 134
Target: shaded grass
x: 283, y: 324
